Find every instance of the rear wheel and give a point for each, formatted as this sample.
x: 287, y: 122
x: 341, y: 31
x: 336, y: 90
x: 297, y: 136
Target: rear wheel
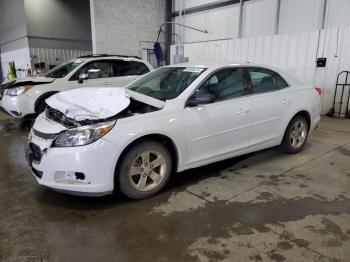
x: 145, y: 170
x: 296, y: 135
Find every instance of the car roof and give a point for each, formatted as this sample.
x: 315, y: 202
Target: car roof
x: 109, y: 57
x: 216, y: 65
x: 212, y: 66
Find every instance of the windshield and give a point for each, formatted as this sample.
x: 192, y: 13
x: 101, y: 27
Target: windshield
x: 167, y: 82
x: 63, y: 69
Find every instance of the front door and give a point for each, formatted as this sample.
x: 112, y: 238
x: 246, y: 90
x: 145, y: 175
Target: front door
x: 221, y: 127
x: 99, y: 75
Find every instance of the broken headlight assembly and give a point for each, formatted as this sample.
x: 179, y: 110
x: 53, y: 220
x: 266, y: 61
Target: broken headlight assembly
x: 16, y: 91
x: 84, y: 135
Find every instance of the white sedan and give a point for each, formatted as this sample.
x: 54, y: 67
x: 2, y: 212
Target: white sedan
x: 97, y: 140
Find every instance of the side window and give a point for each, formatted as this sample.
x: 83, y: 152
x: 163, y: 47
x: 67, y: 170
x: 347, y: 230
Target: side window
x: 264, y: 80
x: 95, y: 70
x: 122, y: 68
x: 140, y: 68
x: 225, y: 84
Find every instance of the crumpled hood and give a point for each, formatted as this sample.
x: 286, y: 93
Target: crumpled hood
x: 96, y: 103
x: 26, y: 81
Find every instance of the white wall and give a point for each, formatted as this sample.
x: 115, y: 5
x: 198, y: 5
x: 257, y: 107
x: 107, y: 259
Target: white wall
x: 21, y: 57
x: 125, y: 27
x: 221, y: 23
x: 300, y: 15
x: 259, y: 17
x: 190, y: 3
x: 338, y: 13
x: 295, y: 53
x: 294, y: 48
x: 54, y: 56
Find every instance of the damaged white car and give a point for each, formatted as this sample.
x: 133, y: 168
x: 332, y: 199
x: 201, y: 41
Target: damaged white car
x: 24, y: 98
x: 94, y: 141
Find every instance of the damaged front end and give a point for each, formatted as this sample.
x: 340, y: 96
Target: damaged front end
x: 86, y: 115
x: 67, y: 139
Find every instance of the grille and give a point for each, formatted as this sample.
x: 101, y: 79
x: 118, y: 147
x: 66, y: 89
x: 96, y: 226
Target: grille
x: 57, y: 116
x: 36, y: 152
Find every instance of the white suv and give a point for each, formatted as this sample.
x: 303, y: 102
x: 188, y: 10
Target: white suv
x: 26, y: 97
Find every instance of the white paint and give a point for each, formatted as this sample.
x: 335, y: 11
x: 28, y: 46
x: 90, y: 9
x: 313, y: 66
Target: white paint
x: 90, y: 103
x: 201, y: 134
x: 25, y: 104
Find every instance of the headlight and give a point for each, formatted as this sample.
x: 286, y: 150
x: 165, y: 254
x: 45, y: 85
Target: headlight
x: 18, y: 90
x: 83, y: 135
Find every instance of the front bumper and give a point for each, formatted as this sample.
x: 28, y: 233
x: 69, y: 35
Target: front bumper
x: 18, y: 106
x: 84, y: 170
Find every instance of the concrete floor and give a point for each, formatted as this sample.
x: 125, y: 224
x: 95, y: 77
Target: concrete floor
x: 262, y: 207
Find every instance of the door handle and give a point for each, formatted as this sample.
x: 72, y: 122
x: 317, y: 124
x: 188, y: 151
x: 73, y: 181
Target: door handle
x: 285, y: 101
x: 106, y: 83
x: 242, y: 111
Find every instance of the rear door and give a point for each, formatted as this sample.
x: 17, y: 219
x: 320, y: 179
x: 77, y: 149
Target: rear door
x: 267, y: 105
x: 126, y: 71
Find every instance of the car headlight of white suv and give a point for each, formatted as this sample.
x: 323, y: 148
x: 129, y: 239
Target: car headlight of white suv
x: 84, y: 135
x: 18, y: 90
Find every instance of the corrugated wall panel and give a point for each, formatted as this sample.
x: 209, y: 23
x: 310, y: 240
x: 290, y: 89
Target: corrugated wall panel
x: 54, y: 56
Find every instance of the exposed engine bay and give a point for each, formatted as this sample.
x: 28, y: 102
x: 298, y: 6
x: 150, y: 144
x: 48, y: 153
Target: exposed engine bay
x: 134, y: 108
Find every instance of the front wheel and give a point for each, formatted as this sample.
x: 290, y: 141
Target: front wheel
x: 145, y: 170
x: 296, y: 135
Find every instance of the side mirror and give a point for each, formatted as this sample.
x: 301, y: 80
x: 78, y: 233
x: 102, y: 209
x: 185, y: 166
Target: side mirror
x: 82, y: 77
x: 203, y: 99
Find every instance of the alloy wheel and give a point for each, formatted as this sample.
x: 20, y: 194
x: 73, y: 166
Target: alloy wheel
x: 147, y: 170
x: 298, y: 134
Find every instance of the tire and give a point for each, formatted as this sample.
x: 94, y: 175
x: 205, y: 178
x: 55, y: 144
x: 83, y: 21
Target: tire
x: 138, y: 177
x: 296, y: 135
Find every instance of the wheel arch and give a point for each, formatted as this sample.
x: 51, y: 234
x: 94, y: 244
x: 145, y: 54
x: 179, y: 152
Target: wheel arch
x: 161, y: 138
x: 303, y: 113
x: 43, y: 97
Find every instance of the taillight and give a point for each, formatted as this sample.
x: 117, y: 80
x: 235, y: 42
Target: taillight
x: 318, y: 90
